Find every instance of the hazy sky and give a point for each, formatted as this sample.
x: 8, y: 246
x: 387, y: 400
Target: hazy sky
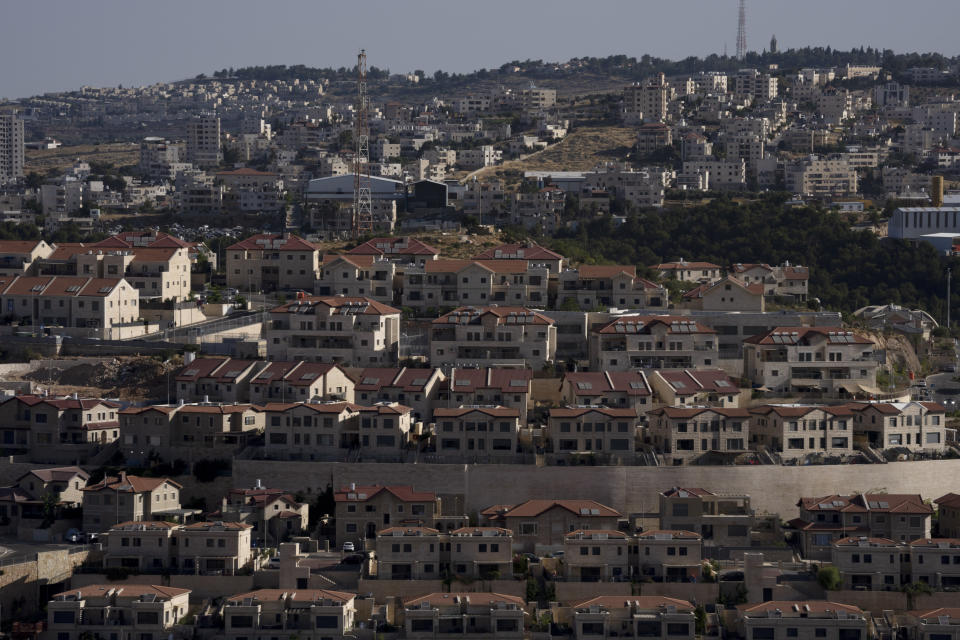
x: 50, y: 45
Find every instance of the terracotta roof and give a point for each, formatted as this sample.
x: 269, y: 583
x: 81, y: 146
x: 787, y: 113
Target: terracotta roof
x: 57, y: 474
x: 322, y: 407
x: 274, y: 242
x: 18, y: 246
x: 932, y: 616
x: 606, y: 271
x: 643, y: 325
x: 516, y: 251
x: 690, y: 412
x: 359, y: 261
x: 338, y: 304
x: 861, y: 503
x: 690, y: 382
x: 504, y: 315
x: 14, y: 494
x: 199, y: 368
x: 796, y: 273
x: 583, y: 508
x: 246, y: 171
x: 576, y: 412
x: 219, y: 409
x: 678, y: 492
x: 217, y: 526
x: 506, y: 380
x: 165, y: 409
x: 592, y: 383
x: 404, y: 493
x: 66, y: 251
x: 123, y: 590
x: 680, y: 266
x: 480, y: 531
x: 452, y: 599
x: 794, y: 335
x: 786, y: 607
x: 66, y: 286
x: 854, y: 541
x: 493, y: 412
x: 743, y: 268
x: 586, y: 533
x: 951, y: 500
x: 755, y: 289
x: 936, y: 543
x: 297, y: 595
x: 308, y: 373
x: 641, y: 603
x: 145, y: 525
x: 408, y: 531
x: 393, y: 246
x: 130, y: 484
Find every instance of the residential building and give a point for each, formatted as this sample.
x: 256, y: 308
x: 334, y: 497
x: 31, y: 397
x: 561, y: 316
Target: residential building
x: 410, y: 553
x: 596, y: 556
x: 821, y: 359
x: 201, y: 548
x: 821, y: 177
x: 251, y: 190
x: 499, y: 386
x: 652, y: 342
x: 11, y: 147
x: 868, y: 564
x: 128, y: 498
x: 655, y: 617
x: 466, y: 615
x: 916, y: 426
x: 641, y: 188
x: 156, y: 273
x: 727, y: 294
x: 592, y: 432
x: 796, y: 431
x: 935, y: 562
x: 493, y: 335
x: 723, y: 174
x: 356, y: 277
x: 63, y: 484
x: 125, y: 610
x: 619, y: 389
x: 416, y: 388
x: 755, y: 86
x: 447, y: 283
x: 804, y: 620
x: 542, y: 525
x: 483, y: 156
x: 310, y: 614
x: 670, y: 556
x: 931, y: 624
x: 592, y: 286
x: 362, y: 511
x: 160, y: 159
x: 685, y: 434
x: 823, y: 520
x: 948, y: 515
x: 653, y: 137
x: 273, y: 514
x: 537, y: 99
x: 401, y: 250
x: 532, y: 252
x: 481, y: 553
x: 695, y: 387
x: 722, y: 520
x: 476, y: 433
x: 484, y: 199
x: 203, y: 141
x: 19, y: 257
x: 700, y: 272
x: 647, y: 101
x: 537, y: 210
x: 215, y: 379
x: 298, y: 381
x: 355, y: 331
x: 270, y: 261
x: 51, y: 429
x: 784, y: 280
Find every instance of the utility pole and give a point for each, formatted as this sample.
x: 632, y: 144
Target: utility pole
x: 948, y: 298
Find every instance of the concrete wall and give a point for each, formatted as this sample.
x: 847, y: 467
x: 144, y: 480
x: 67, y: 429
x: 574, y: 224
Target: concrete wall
x: 629, y: 489
x: 877, y: 601
x: 408, y: 589
x: 21, y: 582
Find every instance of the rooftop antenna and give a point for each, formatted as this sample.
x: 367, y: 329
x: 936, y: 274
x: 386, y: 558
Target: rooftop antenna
x: 742, y: 31
x: 362, y: 207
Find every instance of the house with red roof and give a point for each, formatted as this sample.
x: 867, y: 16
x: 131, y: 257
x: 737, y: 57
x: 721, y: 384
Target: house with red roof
x: 451, y: 283
x: 721, y: 519
x: 507, y: 387
x: 796, y: 431
x: 124, y: 609
x: 913, y: 426
x: 597, y: 555
x: 699, y: 272
x: 418, y: 389
x: 948, y: 515
x: 869, y: 564
x: 812, y: 359
x: 727, y: 294
x: 595, y: 432
x: 255, y: 613
x: 542, y: 524
x: 652, y: 342
x: 57, y: 429
x: 402, y: 250
x: 356, y: 276
x: 532, y: 252
x: 695, y: 387
x: 273, y: 514
x: 927, y: 624
x: 493, y: 336
x: 476, y: 433
x: 633, y: 616
x: 363, y: 510
x: 615, y: 389
x: 272, y: 261
x: 592, y: 286
x: 776, y: 618
x: 22, y: 257
x: 474, y: 614
x: 351, y: 331
x: 685, y: 434
x: 142, y: 499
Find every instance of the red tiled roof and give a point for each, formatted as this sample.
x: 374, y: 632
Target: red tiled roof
x: 690, y: 412
x: 404, y: 493
x: 393, y: 246
x: 592, y: 383
x: 493, y: 412
x: 951, y: 500
x: 644, y: 323
x: 130, y: 484
x: 274, y: 242
x: 861, y: 503
x: 501, y: 313
x: 368, y: 306
x: 606, y: 270
x: 297, y: 595
x: 475, y: 597
x: 786, y: 607
x: 583, y: 508
x: 680, y: 266
x: 641, y: 603
x: 506, y: 380
x: 124, y: 590
x: 675, y: 534
x: 678, y: 492
x: 787, y: 333
x: 516, y: 251
x: 246, y: 171
x: 576, y: 412
x: 693, y: 381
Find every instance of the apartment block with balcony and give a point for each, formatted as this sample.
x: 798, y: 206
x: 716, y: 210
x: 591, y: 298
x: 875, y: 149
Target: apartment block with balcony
x: 823, y: 520
x: 932, y: 624
x: 669, y: 555
x: 411, y: 553
x: 503, y: 387
x: 309, y: 614
x: 476, y: 432
x: 696, y: 387
x: 935, y: 562
x: 634, y: 617
x: 699, y: 272
x: 20, y: 257
x: 591, y: 431
x: 614, y: 389
x: 722, y: 520
x: 402, y: 250
x: 868, y: 564
x: 356, y: 276
x: 481, y: 553
x: 817, y: 359
x: 796, y: 431
x: 353, y: 331
x: 541, y: 525
x: 652, y: 342
x: 916, y: 426
x: 493, y: 336
x: 465, y: 615
x: 803, y: 620
x: 593, y: 286
x: 297, y: 381
x: 270, y: 262
x: 127, y: 611
x: 207, y: 548
x: 531, y: 252
x: 683, y: 435
x: 128, y: 498
x: 450, y: 283
x: 418, y: 389
x: 362, y: 511
x: 49, y: 429
x: 597, y: 556
x: 155, y: 272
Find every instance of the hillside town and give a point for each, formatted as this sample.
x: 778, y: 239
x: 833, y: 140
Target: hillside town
x: 596, y: 349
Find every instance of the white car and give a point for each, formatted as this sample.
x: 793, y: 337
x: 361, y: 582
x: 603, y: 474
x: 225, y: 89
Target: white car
x: 348, y: 546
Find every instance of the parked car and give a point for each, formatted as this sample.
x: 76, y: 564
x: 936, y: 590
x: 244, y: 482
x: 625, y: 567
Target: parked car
x: 348, y: 547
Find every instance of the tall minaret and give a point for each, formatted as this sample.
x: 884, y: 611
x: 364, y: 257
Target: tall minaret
x: 773, y: 44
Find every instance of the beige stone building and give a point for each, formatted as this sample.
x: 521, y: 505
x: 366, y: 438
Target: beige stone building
x: 696, y: 387
x: 615, y: 389
x: 684, y: 434
x: 402, y: 250
x: 936, y: 562
x: 299, y: 381
x: 357, y: 276
x: 51, y: 429
x: 125, y: 610
x: 700, y: 272
x: 726, y: 294
x: 868, y: 564
x: 214, y: 548
x: 466, y: 615
x: 597, y: 556
x: 19, y: 257
x: 451, y: 283
x: 932, y: 624
x: 505, y: 387
x: 917, y: 426
x: 65, y: 484
x: 804, y: 620
x: 821, y: 176
x: 721, y: 520
x: 948, y: 515
x: 654, y: 617
x: 670, y: 556
x: 273, y: 513
x: 592, y: 286
x: 532, y: 252
x: 541, y: 525
x: 652, y: 342
x: 410, y: 553
x: 156, y: 273
x: 577, y: 431
x: 310, y: 431
x: 362, y: 511
x: 128, y: 498
x: 270, y: 261
x: 310, y: 614
x: 418, y: 389
x: 482, y: 433
x: 795, y: 431
x: 492, y: 335
x: 352, y: 331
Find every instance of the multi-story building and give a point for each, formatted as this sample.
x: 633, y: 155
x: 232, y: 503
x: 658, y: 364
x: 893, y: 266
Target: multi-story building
x: 536, y: 99
x: 821, y: 176
x: 480, y: 553
x: 592, y: 286
x: 592, y: 431
x: 492, y: 335
x: 670, y: 556
x: 784, y: 280
x: 476, y: 432
x: 868, y: 564
x: 401, y: 250
x: 540, y: 525
x: 156, y: 273
x: 271, y: 261
x: 722, y: 174
x: 700, y: 272
x: 722, y: 520
x: 948, y: 515
x: 935, y: 562
x: 932, y: 624
x: 466, y: 615
x: 654, y: 617
x: 124, y: 610
x: 356, y: 277
x: 128, y: 498
x: 355, y: 331
x: 811, y: 358
x: 273, y: 513
x: 755, y: 86
x: 484, y: 199
x: 51, y: 428
x: 795, y: 431
x: 538, y: 210
x: 823, y: 520
x: 20, y: 257
x: 422, y: 553
x: 160, y: 159
x: 804, y: 620
x: 641, y: 188
x: 199, y: 548
x: 695, y: 387
x: 310, y: 614
x: 203, y: 141
x: 652, y: 137
x: 620, y: 389
x: 450, y: 283
x: 504, y: 387
x: 11, y: 148
x: 362, y: 511
x: 597, y: 556
x: 917, y: 426
x: 653, y: 342
x: 727, y: 294
x: 298, y: 381
x: 685, y: 434
x: 646, y: 102
x: 532, y: 252
x: 418, y: 389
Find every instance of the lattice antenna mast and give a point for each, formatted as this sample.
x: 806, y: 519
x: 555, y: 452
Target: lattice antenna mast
x: 742, y: 31
x: 362, y: 205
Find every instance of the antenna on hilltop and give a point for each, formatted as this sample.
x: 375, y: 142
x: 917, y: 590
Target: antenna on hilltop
x: 742, y: 31
x: 362, y: 205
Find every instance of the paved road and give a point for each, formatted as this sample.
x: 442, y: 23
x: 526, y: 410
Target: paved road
x: 943, y: 388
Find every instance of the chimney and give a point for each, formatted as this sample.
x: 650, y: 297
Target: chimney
x: 936, y: 191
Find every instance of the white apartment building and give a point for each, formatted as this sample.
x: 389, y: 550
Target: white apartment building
x: 356, y: 276
x: 270, y: 261
x: 592, y: 286
x: 723, y: 174
x: 821, y: 176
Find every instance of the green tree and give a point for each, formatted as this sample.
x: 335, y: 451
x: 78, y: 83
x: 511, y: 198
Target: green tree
x: 828, y: 578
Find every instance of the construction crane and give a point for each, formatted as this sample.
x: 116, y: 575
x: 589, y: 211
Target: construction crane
x: 362, y: 201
